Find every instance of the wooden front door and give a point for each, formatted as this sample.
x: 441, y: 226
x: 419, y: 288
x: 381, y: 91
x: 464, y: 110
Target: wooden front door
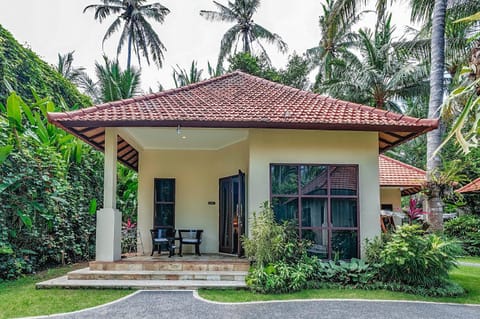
x: 232, y: 214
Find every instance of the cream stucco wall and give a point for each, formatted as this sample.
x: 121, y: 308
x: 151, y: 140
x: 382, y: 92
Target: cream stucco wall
x: 196, y: 174
x: 322, y: 147
x: 392, y: 196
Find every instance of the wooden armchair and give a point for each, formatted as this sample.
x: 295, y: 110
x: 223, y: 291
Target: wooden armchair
x: 163, y: 236
x: 190, y: 237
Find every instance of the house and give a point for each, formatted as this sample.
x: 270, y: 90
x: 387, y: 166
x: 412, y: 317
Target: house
x: 209, y: 154
x: 398, y: 179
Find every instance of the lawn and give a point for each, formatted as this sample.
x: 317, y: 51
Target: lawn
x: 467, y: 277
x: 20, y: 298
x: 475, y: 260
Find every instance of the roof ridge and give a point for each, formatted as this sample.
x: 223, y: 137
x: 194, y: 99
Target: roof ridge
x: 402, y: 163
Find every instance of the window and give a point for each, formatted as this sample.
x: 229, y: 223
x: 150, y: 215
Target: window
x: 164, y: 202
x: 323, y: 200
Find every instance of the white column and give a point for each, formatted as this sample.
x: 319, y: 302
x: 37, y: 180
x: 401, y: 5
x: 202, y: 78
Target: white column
x: 109, y: 219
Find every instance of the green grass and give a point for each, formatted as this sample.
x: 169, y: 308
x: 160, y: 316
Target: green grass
x: 467, y: 277
x: 475, y: 260
x: 19, y: 298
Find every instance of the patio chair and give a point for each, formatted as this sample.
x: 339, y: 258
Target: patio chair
x: 190, y: 237
x: 163, y: 236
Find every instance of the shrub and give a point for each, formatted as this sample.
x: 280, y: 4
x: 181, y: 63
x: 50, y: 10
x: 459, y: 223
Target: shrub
x: 270, y: 241
x: 413, y: 258
x: 356, y: 273
x: 466, y: 229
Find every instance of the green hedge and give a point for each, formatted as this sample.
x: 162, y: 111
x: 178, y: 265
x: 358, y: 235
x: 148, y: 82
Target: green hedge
x: 23, y: 71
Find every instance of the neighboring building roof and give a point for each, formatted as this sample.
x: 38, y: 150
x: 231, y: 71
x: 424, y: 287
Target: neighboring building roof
x: 394, y: 173
x: 473, y: 186
x: 239, y: 100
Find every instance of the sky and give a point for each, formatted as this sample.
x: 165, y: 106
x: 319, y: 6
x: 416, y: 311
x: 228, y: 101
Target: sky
x: 49, y: 27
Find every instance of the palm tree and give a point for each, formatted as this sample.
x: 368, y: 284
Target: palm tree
x: 375, y: 71
x: 65, y: 67
x: 241, y: 13
x: 182, y: 77
x: 338, y: 18
x: 139, y: 34
x: 115, y: 84
x: 434, y: 12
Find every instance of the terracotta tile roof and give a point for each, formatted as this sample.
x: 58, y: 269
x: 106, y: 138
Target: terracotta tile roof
x: 397, y: 174
x: 240, y: 100
x: 473, y: 186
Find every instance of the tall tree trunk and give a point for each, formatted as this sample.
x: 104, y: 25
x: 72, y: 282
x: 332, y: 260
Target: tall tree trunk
x: 435, y: 204
x: 129, y: 53
x: 246, y: 43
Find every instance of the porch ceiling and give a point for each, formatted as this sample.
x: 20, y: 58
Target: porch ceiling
x: 171, y: 138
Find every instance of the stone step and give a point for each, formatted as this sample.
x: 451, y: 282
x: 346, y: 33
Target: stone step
x: 64, y: 282
x: 171, y: 265
x: 88, y: 274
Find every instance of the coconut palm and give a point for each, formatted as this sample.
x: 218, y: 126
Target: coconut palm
x: 137, y: 32
x: 245, y: 30
x: 375, y: 72
x: 65, y: 67
x: 115, y: 84
x: 336, y: 23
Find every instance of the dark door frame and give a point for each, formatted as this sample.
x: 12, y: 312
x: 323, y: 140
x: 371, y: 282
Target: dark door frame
x: 234, y: 214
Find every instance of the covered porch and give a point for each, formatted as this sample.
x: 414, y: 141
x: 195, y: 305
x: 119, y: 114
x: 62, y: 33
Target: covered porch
x: 188, y: 179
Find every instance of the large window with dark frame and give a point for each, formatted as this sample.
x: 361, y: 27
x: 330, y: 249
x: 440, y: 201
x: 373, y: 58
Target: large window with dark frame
x: 323, y: 200
x: 164, y: 214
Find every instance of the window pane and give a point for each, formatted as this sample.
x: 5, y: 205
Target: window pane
x: 344, y: 243
x: 284, y: 179
x: 344, y: 212
x: 314, y: 212
x: 164, y: 190
x: 343, y: 180
x: 164, y: 215
x: 285, y: 208
x: 314, y: 179
x: 319, y: 238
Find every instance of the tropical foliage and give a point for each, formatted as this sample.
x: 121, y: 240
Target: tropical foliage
x: 381, y: 74
x: 295, y: 74
x: 137, y: 32
x: 24, y: 72
x: 408, y: 260
x: 466, y: 229
x: 49, y: 184
x: 182, y: 77
x: 414, y: 258
x: 245, y: 30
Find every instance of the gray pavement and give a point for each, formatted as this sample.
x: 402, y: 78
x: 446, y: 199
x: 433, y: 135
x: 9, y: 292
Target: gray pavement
x: 183, y: 304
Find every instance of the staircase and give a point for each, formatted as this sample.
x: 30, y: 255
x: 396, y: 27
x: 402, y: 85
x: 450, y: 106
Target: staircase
x: 211, y: 271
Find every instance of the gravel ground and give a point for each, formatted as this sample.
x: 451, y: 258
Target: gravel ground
x: 183, y: 304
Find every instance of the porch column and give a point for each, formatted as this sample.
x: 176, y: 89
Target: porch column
x: 109, y: 219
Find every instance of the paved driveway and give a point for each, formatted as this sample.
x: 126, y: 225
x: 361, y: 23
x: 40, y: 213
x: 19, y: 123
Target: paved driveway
x: 183, y: 304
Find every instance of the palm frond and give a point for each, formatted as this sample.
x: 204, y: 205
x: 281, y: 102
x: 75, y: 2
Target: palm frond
x: 227, y: 43
x: 261, y: 33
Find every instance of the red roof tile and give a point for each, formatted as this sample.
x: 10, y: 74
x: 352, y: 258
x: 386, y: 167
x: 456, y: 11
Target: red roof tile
x: 397, y: 174
x: 473, y: 186
x: 240, y: 100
